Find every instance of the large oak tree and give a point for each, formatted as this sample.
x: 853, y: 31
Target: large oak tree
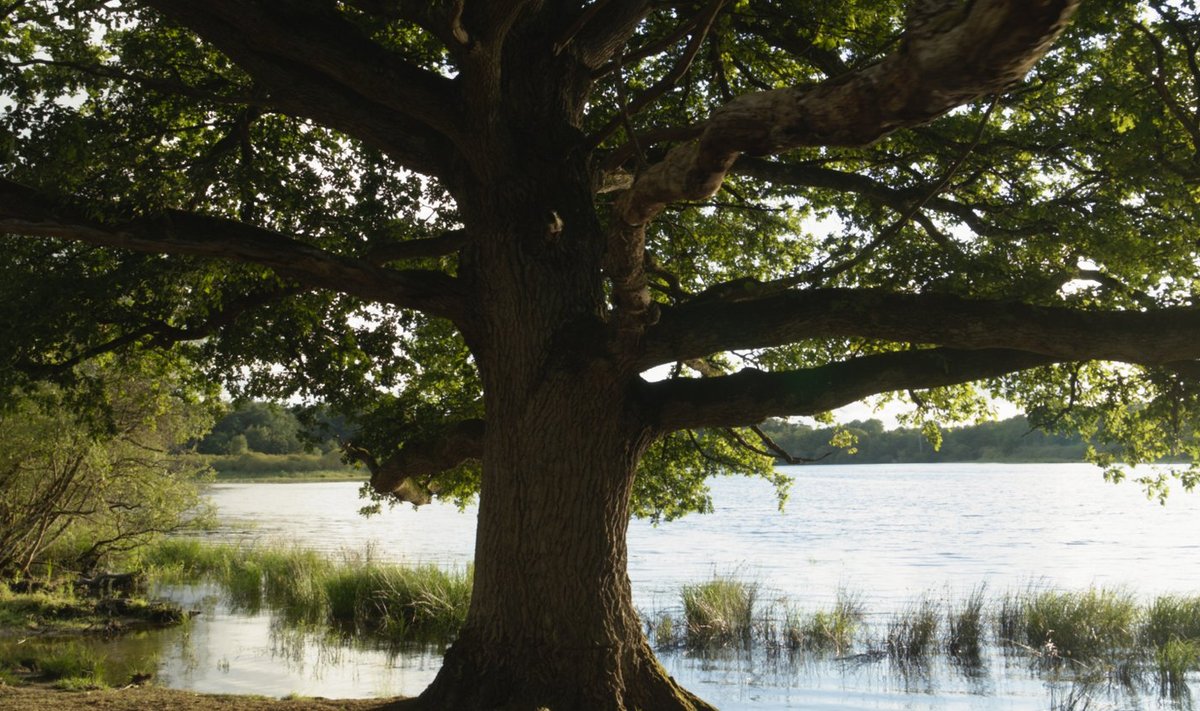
x: 476, y: 225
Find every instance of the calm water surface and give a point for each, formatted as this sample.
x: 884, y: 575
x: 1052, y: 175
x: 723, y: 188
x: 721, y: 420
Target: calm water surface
x: 888, y: 532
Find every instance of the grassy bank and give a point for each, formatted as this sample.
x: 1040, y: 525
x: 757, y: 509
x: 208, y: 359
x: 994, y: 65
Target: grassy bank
x: 255, y: 466
x: 354, y: 593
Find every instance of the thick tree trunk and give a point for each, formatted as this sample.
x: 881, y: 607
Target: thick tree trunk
x: 552, y: 624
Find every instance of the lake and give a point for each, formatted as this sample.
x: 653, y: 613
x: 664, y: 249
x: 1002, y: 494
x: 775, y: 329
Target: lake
x: 888, y: 533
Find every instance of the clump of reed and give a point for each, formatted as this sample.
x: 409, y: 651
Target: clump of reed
x: 912, y: 634
x: 1091, y: 624
x: 965, y: 627
x: 719, y: 611
x: 1172, y: 629
x: 664, y: 631
x: 356, y: 594
x: 831, y: 630
x: 1172, y: 617
x: 1173, y: 660
x: 1095, y: 623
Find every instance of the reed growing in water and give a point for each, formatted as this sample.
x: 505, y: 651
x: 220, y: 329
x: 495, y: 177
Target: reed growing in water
x: 355, y: 594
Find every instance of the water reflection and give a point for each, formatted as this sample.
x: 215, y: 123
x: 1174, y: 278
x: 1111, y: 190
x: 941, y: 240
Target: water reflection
x: 889, y: 534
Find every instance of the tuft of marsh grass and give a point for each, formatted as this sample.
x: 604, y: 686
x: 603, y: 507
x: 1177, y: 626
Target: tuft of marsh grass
x: 1171, y: 617
x: 719, y: 611
x: 1094, y: 623
x: 355, y: 594
x: 964, y: 627
x: 664, y: 631
x: 912, y: 634
x: 1010, y: 619
x: 830, y: 630
x: 1173, y: 661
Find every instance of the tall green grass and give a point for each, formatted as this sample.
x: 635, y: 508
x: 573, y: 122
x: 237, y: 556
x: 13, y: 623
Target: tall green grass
x: 833, y: 630
x: 1172, y: 617
x: 719, y: 611
x: 965, y: 627
x: 1094, y: 623
x: 912, y: 634
x: 356, y: 594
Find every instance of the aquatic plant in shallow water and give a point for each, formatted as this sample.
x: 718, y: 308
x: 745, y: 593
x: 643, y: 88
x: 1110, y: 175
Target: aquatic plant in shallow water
x: 912, y: 633
x: 719, y: 611
x: 1173, y: 660
x: 1172, y: 617
x: 1098, y: 622
x: 831, y: 630
x: 965, y: 627
x: 306, y: 588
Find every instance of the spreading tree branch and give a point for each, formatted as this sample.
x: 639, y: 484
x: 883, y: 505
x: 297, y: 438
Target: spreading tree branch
x: 409, y: 474
x: 750, y: 396
x: 446, y: 243
x: 23, y: 211
x: 943, y: 61
x: 811, y: 176
x: 315, y: 63
x: 700, y: 328
x: 443, y: 19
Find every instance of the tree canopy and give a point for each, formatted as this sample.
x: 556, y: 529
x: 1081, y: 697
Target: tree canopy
x: 476, y: 225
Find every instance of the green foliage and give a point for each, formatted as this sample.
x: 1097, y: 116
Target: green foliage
x: 90, y: 471
x: 254, y: 426
x: 671, y: 476
x: 253, y: 465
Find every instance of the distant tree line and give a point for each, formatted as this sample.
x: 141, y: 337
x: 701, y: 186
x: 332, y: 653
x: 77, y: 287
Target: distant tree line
x: 867, y: 442
x: 270, y: 428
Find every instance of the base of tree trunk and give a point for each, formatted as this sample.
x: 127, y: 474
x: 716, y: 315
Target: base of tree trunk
x: 508, y: 680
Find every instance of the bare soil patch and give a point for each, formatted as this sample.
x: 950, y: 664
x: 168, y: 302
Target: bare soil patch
x: 44, y: 698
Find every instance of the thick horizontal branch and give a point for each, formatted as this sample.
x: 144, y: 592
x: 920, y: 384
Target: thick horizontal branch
x: 409, y: 474
x: 700, y: 328
x: 750, y: 396
x: 25, y: 212
x: 446, y: 243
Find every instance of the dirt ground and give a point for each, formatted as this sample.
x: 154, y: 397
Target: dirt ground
x: 39, y: 698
